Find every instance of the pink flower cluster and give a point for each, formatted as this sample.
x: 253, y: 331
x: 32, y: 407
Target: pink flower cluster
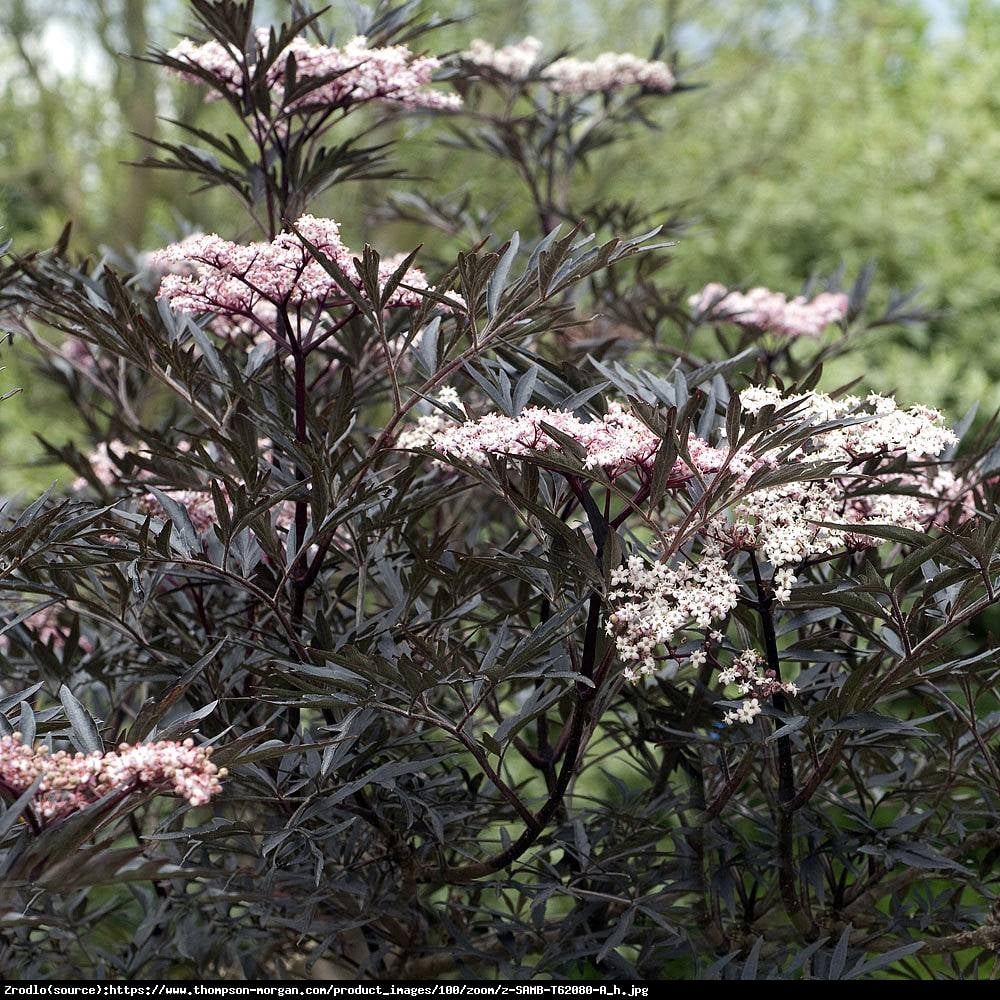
x: 334, y: 76
x: 785, y: 524
x: 198, y: 504
x: 610, y: 71
x: 765, y: 311
x: 617, y: 442
x: 47, y: 629
x: 73, y: 781
x: 254, y: 282
x: 949, y: 498
x: 105, y: 462
x: 83, y: 355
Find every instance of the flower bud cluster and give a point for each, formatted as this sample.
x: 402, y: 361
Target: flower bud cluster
x: 73, y: 781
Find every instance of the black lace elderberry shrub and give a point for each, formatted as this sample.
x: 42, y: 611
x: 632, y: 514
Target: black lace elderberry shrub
x: 527, y: 643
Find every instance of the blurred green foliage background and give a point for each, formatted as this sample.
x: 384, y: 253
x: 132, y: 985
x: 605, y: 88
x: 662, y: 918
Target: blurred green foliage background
x: 827, y: 133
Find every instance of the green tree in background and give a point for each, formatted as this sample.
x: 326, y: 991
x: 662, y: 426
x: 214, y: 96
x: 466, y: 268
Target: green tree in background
x: 827, y: 133
x: 871, y: 136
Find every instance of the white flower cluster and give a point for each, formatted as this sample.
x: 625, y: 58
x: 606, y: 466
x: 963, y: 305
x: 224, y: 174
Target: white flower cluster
x: 514, y: 61
x: 610, y: 71
x: 784, y: 580
x: 753, y: 682
x: 771, y: 312
x: 666, y: 610
x: 430, y: 427
x: 878, y: 426
x: 785, y: 523
x: 746, y: 713
x: 654, y: 603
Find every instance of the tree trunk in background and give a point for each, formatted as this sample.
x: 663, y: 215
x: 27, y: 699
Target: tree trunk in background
x: 135, y: 90
x: 55, y: 184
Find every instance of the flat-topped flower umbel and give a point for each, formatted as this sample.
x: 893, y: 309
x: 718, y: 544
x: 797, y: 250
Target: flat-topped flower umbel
x: 326, y: 75
x: 259, y: 282
x: 618, y: 442
x: 765, y: 311
x: 515, y: 61
x: 610, y: 71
